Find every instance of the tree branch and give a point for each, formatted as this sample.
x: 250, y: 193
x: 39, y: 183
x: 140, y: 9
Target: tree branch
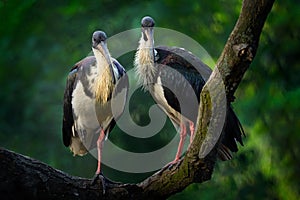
x: 242, y: 44
x: 24, y: 177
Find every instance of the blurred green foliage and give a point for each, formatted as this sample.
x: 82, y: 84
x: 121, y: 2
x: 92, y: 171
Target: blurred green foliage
x: 41, y: 40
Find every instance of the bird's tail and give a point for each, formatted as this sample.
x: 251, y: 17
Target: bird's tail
x: 233, y: 134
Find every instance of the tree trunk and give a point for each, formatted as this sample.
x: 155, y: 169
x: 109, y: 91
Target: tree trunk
x: 25, y: 178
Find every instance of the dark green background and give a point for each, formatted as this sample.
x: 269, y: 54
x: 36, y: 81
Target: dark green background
x: 41, y: 40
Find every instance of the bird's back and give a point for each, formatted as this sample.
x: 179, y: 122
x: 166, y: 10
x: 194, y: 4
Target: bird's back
x: 182, y: 73
x: 186, y: 75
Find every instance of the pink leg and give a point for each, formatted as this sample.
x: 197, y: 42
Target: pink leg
x: 180, y: 145
x: 192, y: 131
x: 181, y: 142
x: 99, y: 148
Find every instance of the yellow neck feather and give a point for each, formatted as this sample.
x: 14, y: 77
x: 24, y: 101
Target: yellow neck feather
x: 144, y: 65
x: 104, y: 85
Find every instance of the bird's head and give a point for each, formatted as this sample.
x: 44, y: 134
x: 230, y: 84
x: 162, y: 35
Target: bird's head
x: 100, y: 46
x: 100, y: 49
x: 147, y: 25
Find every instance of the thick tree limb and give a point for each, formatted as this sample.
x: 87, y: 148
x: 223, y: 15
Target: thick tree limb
x: 24, y: 177
x: 242, y: 43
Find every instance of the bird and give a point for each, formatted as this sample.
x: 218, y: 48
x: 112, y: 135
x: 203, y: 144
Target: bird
x: 186, y: 74
x: 94, y: 85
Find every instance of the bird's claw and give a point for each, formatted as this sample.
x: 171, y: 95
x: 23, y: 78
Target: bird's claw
x: 102, y: 180
x: 174, y: 164
x: 105, y: 182
x: 171, y: 165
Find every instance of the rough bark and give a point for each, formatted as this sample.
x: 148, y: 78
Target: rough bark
x: 24, y: 178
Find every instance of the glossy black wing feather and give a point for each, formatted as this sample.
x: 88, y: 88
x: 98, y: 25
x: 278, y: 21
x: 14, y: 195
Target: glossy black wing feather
x: 120, y: 68
x: 188, y: 60
x: 182, y: 71
x: 120, y: 92
x: 233, y: 131
x: 196, y: 74
x: 68, y: 120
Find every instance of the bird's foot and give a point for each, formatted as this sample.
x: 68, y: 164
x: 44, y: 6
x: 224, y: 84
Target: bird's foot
x: 105, y: 182
x: 99, y: 177
x: 172, y: 165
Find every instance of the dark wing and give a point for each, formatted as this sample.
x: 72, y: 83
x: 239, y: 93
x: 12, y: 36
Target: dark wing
x: 68, y: 115
x: 120, y: 68
x: 187, y: 60
x: 120, y: 92
x: 196, y: 74
x: 183, y: 73
x: 234, y: 131
x: 68, y: 120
